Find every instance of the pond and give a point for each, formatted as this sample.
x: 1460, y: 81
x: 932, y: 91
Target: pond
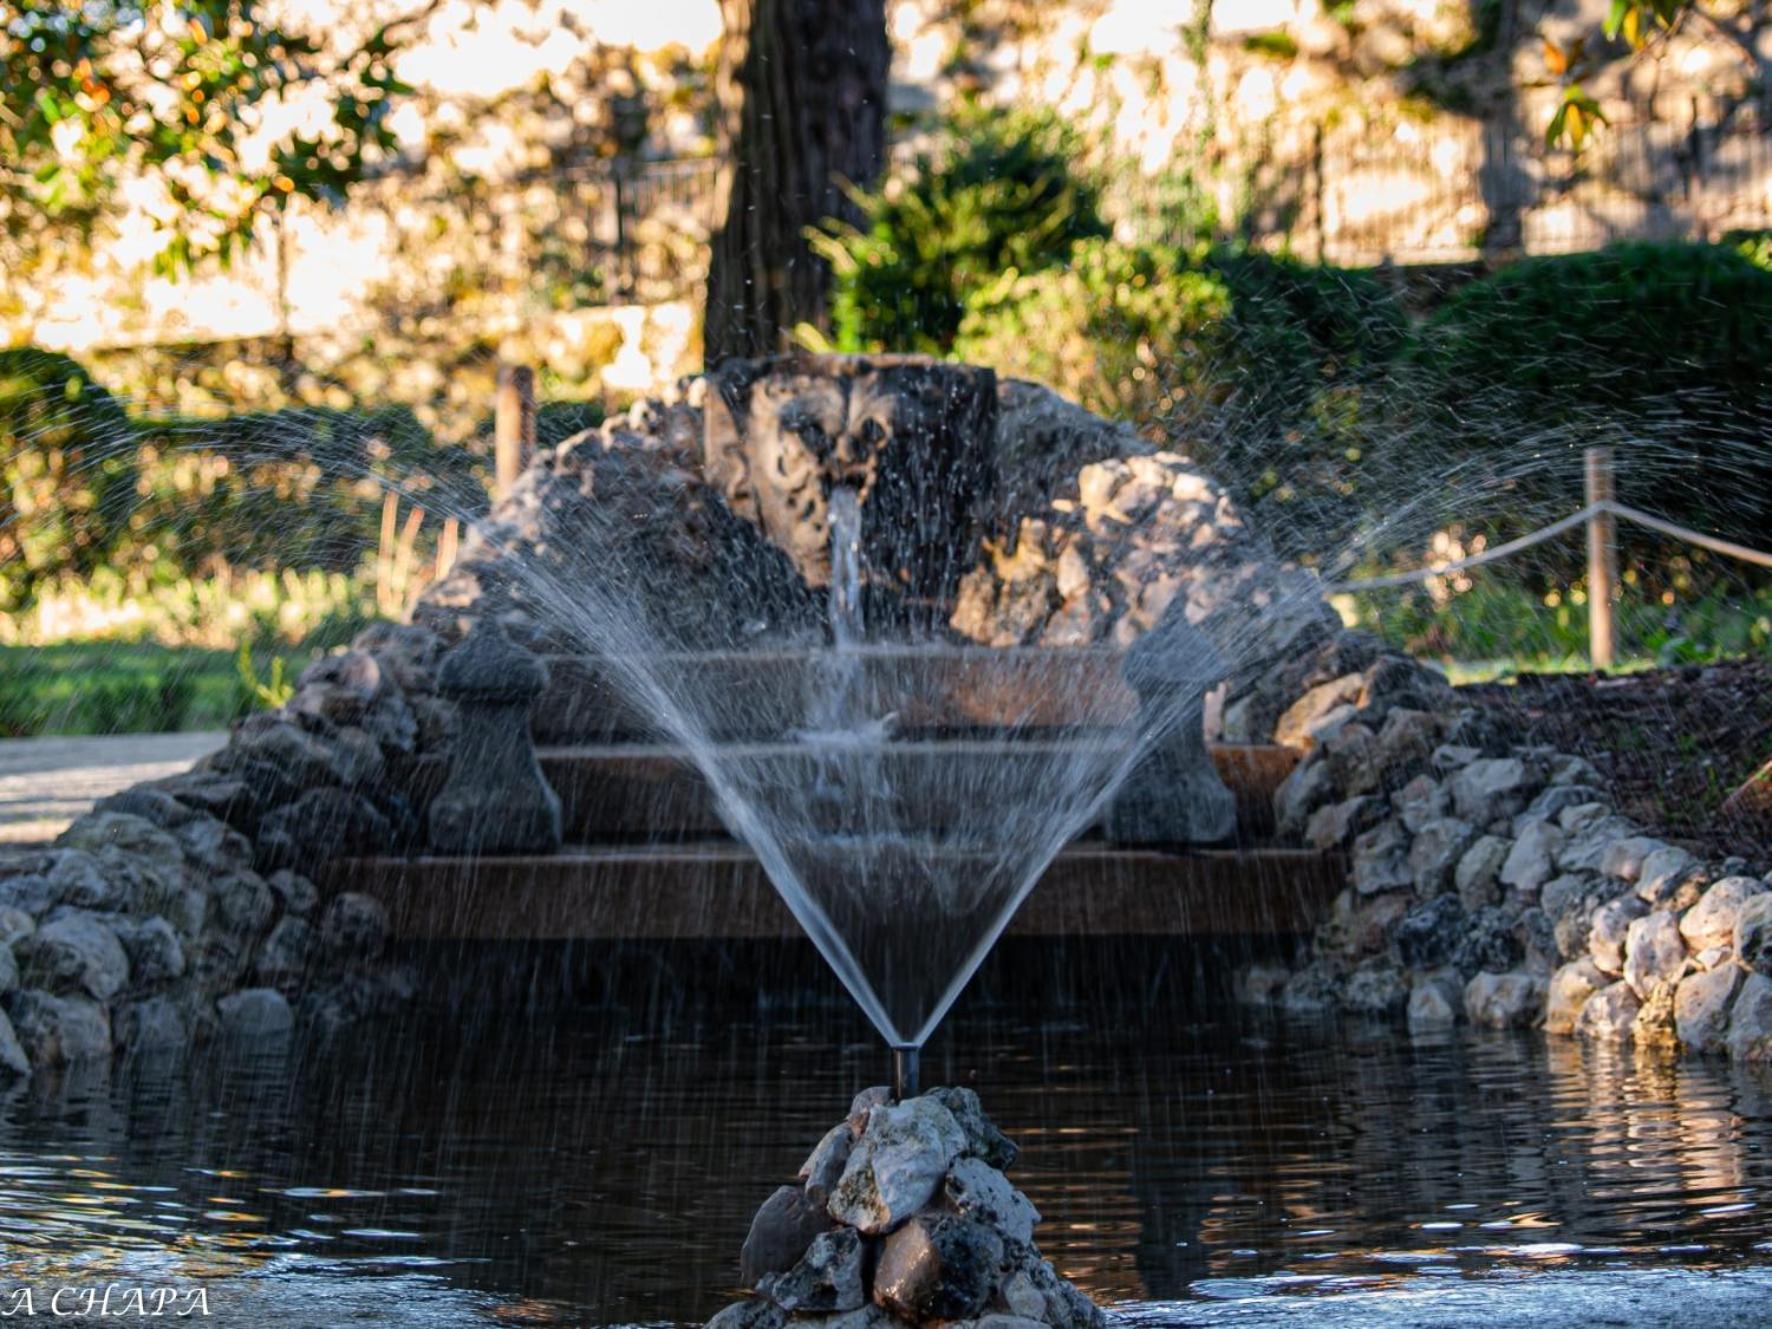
x: 599, y: 1167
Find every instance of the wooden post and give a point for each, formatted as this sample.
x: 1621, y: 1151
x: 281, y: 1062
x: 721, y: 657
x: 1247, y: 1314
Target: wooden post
x: 1602, y: 560
x: 513, y: 433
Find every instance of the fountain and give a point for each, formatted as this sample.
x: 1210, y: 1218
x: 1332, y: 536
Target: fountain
x: 903, y: 852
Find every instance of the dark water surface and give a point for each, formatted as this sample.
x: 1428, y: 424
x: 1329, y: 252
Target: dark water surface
x: 602, y: 1169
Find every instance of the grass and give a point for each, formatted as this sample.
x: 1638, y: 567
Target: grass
x: 108, y: 687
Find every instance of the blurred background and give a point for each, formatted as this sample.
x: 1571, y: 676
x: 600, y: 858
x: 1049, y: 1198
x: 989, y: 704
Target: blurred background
x: 1387, y: 266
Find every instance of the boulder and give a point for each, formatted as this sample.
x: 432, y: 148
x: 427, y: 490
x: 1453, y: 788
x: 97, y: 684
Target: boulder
x: 1381, y: 859
x: 354, y: 926
x: 75, y: 951
x: 983, y: 1139
x: 780, y: 1234
x: 1478, y: 873
x: 828, y: 1277
x: 1753, y: 934
x: 155, y: 953
x: 1438, y: 848
x: 153, y: 1024
x: 1430, y: 932
x: 1532, y: 860
x: 1750, y: 1020
x: 896, y: 1165
x: 1512, y: 1000
x: 59, y: 1030
x: 287, y: 954
x: 1421, y: 801
x: 1711, y: 922
x: 1336, y: 825
x: 256, y: 1014
x: 1435, y: 1001
x: 823, y: 1167
x: 13, y: 1058
x: 1609, y: 930
x: 1491, y: 788
x: 1702, y: 1004
x: 1670, y: 878
x: 938, y: 1267
x: 1490, y: 942
x: 976, y: 1190
x: 1609, y: 1015
x: 1570, y: 988
x: 1653, y: 952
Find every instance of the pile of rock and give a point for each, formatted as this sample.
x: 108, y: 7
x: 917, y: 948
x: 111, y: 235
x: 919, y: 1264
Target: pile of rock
x: 902, y: 1216
x: 1496, y: 883
x: 183, y: 907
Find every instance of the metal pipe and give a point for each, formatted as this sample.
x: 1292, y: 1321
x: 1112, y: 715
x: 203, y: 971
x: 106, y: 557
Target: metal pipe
x: 904, y: 1073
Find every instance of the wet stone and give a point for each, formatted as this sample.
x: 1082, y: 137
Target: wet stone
x: 1532, y: 860
x: 1750, y: 1020
x: 56, y: 1030
x: 154, y: 1024
x: 896, y: 1166
x: 757, y: 1313
x: 829, y: 1277
x: 243, y: 903
x: 13, y: 1058
x: 1610, y: 929
x: 1490, y: 942
x: 295, y: 893
x: 255, y: 1013
x: 155, y: 953
x: 354, y: 926
x: 823, y: 1168
x: 1435, y: 1001
x: 1753, y: 934
x: 1702, y: 1005
x: 1609, y: 1016
x: 983, y: 1139
x: 1478, y: 873
x: 75, y: 951
x: 1435, y: 854
x: 976, y: 1190
x: 1653, y: 952
x: 938, y: 1267
x: 1376, y: 989
x: 780, y: 1233
x: 1505, y: 1001
x: 15, y: 925
x: 1570, y: 988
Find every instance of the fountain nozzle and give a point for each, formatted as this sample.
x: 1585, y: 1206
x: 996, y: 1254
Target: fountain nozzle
x: 904, y: 1073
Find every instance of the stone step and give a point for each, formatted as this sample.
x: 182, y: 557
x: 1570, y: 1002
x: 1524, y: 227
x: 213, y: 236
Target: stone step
x: 718, y: 890
x: 650, y: 792
x: 762, y: 694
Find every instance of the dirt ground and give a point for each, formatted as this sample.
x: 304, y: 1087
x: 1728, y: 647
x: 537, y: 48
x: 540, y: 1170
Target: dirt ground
x: 1675, y: 742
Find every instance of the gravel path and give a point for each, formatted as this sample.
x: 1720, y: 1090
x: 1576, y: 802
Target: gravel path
x: 46, y: 782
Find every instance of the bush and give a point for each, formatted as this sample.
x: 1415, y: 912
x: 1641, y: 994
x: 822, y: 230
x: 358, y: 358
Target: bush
x: 67, y: 472
x: 1658, y: 349
x: 1617, y: 326
x: 999, y: 194
x: 1256, y: 366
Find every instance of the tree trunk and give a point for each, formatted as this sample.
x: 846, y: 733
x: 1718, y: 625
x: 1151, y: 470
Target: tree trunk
x: 802, y: 88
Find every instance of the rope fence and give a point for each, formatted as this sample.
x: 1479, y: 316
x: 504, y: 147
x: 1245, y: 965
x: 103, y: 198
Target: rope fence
x: 1597, y: 516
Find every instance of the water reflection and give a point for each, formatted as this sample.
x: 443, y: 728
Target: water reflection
x: 604, y: 1167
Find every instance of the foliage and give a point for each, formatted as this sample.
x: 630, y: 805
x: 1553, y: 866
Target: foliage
x: 1640, y: 25
x: 1256, y: 365
x: 67, y: 471
x: 1502, y: 625
x: 1619, y: 325
x: 997, y: 196
x: 210, y: 102
x: 158, y: 500
x: 1658, y: 350
x: 271, y: 691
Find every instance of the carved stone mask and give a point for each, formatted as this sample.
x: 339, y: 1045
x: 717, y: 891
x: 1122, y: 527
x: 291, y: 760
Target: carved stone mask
x: 913, y: 437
